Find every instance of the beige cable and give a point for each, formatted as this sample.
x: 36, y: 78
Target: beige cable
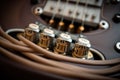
x: 68, y: 68
x: 53, y: 70
x: 58, y: 64
x: 71, y: 67
x: 5, y: 35
x: 66, y: 58
x: 15, y: 47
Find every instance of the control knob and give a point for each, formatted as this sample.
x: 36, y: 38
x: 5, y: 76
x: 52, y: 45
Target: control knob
x: 116, y: 18
x: 117, y: 47
x: 115, y: 1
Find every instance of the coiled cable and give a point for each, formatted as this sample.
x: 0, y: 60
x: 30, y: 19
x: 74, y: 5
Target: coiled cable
x: 55, y: 67
x: 65, y: 58
x: 32, y: 55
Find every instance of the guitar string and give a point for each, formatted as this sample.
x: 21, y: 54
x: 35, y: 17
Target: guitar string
x: 61, y: 23
x: 57, y: 6
x: 75, y: 11
x: 84, y: 14
x: 67, y: 1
